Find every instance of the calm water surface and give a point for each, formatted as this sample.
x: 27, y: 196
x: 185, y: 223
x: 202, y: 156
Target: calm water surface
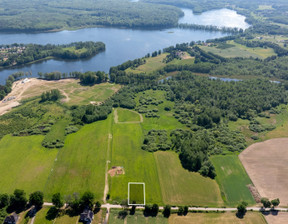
x: 121, y: 45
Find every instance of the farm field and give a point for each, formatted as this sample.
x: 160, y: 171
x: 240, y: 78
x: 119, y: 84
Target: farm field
x: 185, y: 188
x: 24, y: 154
x: 232, y: 179
x: 138, y: 218
x: 240, y: 51
x: 266, y: 164
x: 217, y: 218
x: 80, y: 164
x: 139, y: 165
x: 275, y: 218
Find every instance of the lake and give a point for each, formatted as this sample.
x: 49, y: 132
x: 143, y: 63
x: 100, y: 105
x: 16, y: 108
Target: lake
x: 121, y: 44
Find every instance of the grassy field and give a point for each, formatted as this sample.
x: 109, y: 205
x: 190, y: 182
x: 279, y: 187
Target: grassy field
x: 24, y: 164
x: 136, y: 193
x: 138, y: 218
x: 152, y: 63
x: 139, y: 165
x: 181, y: 187
x: 80, y: 164
x: 232, y: 179
x: 125, y: 115
x: 240, y: 51
x: 40, y: 217
x: 217, y: 218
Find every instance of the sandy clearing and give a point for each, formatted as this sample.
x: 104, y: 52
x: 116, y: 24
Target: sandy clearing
x: 267, y: 165
x: 19, y: 92
x: 277, y: 218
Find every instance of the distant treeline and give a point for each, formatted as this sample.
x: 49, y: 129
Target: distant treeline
x: 34, y: 52
x: 211, y: 28
x: 19, y: 15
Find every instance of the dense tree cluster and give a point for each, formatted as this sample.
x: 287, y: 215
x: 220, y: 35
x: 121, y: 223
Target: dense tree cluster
x: 52, y: 95
x: 34, y: 52
x: 204, y: 102
x: 91, y: 78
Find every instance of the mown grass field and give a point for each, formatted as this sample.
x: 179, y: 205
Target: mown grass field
x: 181, y: 187
x: 138, y: 218
x: 125, y: 115
x: 232, y: 179
x: 240, y: 51
x: 217, y: 218
x: 80, y: 164
x: 24, y: 163
x: 136, y: 194
x: 139, y: 165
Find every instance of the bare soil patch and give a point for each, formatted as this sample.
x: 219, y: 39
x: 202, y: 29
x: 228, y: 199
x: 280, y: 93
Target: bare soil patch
x: 267, y: 165
x: 116, y: 170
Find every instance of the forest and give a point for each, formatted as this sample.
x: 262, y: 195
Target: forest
x: 19, y: 16
x: 20, y: 54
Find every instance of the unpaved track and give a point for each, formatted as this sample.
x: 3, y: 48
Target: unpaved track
x: 267, y: 166
x: 106, y: 188
x: 116, y: 120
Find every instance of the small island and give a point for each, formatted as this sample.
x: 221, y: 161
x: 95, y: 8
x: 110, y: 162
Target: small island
x: 21, y: 54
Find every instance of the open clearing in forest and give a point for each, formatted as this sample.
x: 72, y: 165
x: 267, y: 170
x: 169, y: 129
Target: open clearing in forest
x: 238, y: 50
x: 71, y: 89
x: 152, y: 64
x: 24, y: 163
x: 181, y: 187
x: 217, y: 218
x: 232, y: 179
x: 266, y: 164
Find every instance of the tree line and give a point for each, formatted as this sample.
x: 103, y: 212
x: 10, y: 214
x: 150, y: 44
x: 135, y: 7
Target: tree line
x: 34, y: 52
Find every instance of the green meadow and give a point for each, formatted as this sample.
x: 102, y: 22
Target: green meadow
x: 125, y: 115
x: 24, y: 163
x: 139, y: 165
x: 184, y: 187
x: 80, y: 164
x: 232, y: 179
x: 238, y: 50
